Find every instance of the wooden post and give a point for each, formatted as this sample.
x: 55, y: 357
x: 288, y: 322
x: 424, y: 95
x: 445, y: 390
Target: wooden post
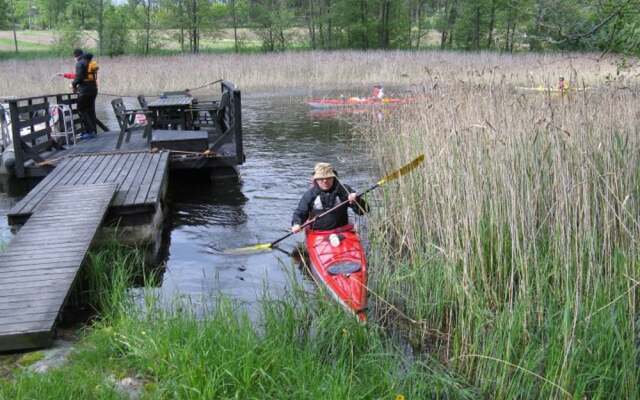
x: 61, y: 127
x: 237, y: 125
x: 17, y: 140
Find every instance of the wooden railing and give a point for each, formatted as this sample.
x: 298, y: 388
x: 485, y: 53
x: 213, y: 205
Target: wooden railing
x: 31, y: 126
x: 231, y: 122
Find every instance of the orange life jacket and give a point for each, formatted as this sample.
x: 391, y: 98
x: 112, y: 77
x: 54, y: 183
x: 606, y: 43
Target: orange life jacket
x: 92, y: 71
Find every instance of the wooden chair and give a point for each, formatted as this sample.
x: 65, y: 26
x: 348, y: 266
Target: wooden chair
x: 127, y: 121
x: 204, y: 113
x: 143, y: 102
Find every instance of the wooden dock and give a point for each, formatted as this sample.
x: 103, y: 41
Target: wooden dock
x: 38, y: 269
x: 180, y: 144
x: 39, y: 141
x: 90, y: 181
x: 141, y: 177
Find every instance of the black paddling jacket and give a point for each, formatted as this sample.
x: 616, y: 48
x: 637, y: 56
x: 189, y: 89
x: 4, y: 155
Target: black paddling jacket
x: 315, y: 202
x: 82, y: 83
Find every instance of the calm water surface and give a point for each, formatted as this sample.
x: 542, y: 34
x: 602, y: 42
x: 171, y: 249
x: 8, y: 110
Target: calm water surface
x: 282, y: 142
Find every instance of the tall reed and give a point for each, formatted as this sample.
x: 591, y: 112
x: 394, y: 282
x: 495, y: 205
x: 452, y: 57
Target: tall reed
x: 518, y: 239
x: 274, y: 72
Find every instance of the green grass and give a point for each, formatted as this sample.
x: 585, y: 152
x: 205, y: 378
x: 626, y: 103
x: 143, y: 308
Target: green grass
x: 28, y: 54
x: 9, y: 45
x: 302, y: 347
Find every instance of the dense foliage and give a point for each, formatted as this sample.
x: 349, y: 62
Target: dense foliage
x: 505, y: 25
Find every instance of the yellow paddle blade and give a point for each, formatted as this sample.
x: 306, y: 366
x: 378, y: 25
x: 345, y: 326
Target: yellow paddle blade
x: 402, y: 171
x: 249, y: 249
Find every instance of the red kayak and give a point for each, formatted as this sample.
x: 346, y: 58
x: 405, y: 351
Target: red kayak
x: 354, y: 102
x: 338, y: 261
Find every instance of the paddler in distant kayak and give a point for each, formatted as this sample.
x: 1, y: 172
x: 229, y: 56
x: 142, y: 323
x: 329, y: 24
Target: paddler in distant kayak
x: 562, y: 85
x: 327, y: 192
x: 377, y: 93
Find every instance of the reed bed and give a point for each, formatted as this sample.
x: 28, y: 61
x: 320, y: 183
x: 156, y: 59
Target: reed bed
x: 302, y: 347
x: 133, y: 75
x: 515, y: 249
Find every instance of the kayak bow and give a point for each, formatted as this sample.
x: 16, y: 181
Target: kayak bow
x: 338, y: 261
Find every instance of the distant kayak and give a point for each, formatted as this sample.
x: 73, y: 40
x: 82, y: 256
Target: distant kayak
x: 354, y: 102
x: 550, y: 89
x: 338, y: 261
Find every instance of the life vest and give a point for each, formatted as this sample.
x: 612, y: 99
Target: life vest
x: 92, y: 71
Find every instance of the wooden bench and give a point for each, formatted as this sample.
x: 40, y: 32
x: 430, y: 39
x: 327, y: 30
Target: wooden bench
x: 127, y: 122
x: 180, y: 141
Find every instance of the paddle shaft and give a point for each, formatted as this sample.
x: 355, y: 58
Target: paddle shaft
x: 314, y: 219
x: 392, y: 176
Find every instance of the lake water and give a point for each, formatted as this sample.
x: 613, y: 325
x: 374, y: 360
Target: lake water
x: 282, y: 140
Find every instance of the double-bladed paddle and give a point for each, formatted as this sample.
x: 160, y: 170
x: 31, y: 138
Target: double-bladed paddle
x: 392, y: 176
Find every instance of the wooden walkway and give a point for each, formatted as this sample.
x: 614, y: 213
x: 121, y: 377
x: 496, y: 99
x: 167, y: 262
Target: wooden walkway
x: 141, y: 176
x: 39, y: 267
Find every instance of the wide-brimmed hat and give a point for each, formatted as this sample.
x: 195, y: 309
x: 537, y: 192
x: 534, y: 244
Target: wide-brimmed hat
x: 323, y: 170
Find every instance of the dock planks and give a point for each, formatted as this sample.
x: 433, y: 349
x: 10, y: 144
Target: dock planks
x: 134, y: 172
x: 41, y: 263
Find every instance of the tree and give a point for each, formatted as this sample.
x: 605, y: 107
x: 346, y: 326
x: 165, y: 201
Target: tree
x: 239, y: 11
x: 5, y: 12
x: 51, y: 12
x: 14, y: 22
x: 272, y: 18
x: 115, y: 37
x: 68, y: 37
x: 418, y: 14
x: 173, y: 15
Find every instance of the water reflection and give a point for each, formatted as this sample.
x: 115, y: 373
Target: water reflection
x: 195, y: 201
x: 282, y: 145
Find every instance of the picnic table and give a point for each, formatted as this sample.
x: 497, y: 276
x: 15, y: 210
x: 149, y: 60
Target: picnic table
x: 172, y: 112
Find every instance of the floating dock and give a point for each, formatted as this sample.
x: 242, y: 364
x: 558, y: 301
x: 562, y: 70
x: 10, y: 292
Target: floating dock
x: 117, y: 180
x: 141, y: 178
x: 42, y: 262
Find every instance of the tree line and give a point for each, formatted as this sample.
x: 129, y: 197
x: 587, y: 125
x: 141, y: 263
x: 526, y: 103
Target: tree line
x: 140, y: 26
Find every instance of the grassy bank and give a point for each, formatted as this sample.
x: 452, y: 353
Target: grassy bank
x: 299, y: 349
x: 517, y: 241
x: 414, y: 71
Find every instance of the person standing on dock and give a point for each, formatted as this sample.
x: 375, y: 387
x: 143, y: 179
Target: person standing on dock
x: 85, y: 84
x: 327, y: 191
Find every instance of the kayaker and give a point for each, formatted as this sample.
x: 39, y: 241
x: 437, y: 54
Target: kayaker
x: 327, y: 191
x: 562, y: 85
x: 378, y: 92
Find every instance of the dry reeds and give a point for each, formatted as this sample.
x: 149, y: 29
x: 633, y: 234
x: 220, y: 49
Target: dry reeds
x: 133, y: 75
x: 519, y: 239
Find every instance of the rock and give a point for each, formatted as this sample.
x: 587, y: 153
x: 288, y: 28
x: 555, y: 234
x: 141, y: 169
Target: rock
x: 53, y: 357
x: 131, y: 387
